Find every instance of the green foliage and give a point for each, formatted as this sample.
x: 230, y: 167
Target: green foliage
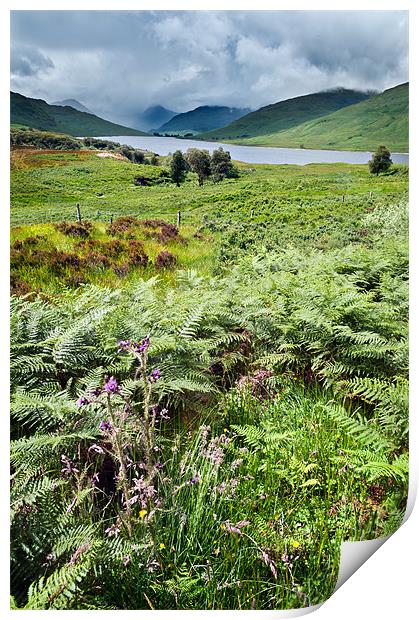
x: 222, y: 166
x: 24, y: 136
x: 178, y: 167
x: 381, y: 160
x: 274, y: 426
x: 199, y: 162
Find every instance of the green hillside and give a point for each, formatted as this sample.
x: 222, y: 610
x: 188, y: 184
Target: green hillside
x: 39, y: 114
x: 381, y: 119
x: 286, y: 114
x: 204, y: 118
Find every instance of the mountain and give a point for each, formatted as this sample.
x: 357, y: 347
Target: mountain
x: 203, y: 118
x: 381, y: 119
x: 285, y: 114
x: 73, y: 103
x: 153, y: 117
x: 38, y: 114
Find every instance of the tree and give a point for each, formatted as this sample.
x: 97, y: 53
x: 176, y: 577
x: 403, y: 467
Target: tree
x: 381, y: 160
x: 200, y: 162
x: 178, y: 168
x: 222, y: 166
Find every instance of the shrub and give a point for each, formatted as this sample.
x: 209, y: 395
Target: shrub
x: 123, y: 226
x: 167, y: 232
x: 165, y: 260
x: 381, y: 160
x: 136, y: 254
x: 74, y: 229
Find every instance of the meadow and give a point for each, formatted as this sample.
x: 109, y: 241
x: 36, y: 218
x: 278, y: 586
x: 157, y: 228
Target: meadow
x: 203, y: 432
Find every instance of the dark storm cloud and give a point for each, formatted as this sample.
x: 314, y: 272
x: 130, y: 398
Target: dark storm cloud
x: 117, y: 63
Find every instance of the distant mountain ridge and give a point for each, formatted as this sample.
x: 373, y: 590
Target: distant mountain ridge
x: 38, y: 114
x: 153, y: 117
x: 203, y: 118
x: 286, y: 114
x: 73, y: 103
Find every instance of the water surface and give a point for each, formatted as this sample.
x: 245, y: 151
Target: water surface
x: 254, y: 154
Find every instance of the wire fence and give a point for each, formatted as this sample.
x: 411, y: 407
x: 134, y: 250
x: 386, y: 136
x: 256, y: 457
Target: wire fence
x: 104, y: 215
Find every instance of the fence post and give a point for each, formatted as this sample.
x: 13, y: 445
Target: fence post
x: 178, y: 219
x: 78, y: 212
x: 111, y: 219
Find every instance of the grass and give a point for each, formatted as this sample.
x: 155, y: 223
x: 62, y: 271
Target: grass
x: 381, y: 119
x: 47, y: 186
x: 318, y: 205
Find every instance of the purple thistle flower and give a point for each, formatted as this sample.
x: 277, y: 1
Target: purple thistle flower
x: 155, y: 375
x: 123, y: 345
x: 111, y: 386
x: 106, y: 427
x: 82, y: 401
x: 96, y: 392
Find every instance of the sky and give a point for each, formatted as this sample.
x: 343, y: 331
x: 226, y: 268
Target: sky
x: 117, y: 63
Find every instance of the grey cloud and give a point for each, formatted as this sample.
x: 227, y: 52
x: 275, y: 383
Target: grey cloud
x: 29, y: 61
x: 118, y: 62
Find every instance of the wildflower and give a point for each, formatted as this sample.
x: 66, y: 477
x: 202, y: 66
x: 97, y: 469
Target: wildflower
x: 217, y: 456
x: 96, y: 449
x: 235, y: 464
x: 155, y: 375
x: 82, y: 401
x: 126, y: 560
x: 194, y: 480
x: 162, y: 546
x: 69, y: 467
x: 235, y: 529
x: 111, y: 386
x: 142, y: 513
x: 123, y: 345
x: 226, y: 430
x: 163, y: 414
x: 140, y: 347
x: 106, y: 427
x: 113, y: 530
x: 268, y: 560
x: 295, y: 544
x: 96, y: 392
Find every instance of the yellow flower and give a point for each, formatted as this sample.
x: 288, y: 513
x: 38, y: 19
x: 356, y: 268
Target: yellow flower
x: 142, y: 513
x: 162, y: 546
x: 295, y: 544
x: 222, y: 526
x: 226, y: 430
